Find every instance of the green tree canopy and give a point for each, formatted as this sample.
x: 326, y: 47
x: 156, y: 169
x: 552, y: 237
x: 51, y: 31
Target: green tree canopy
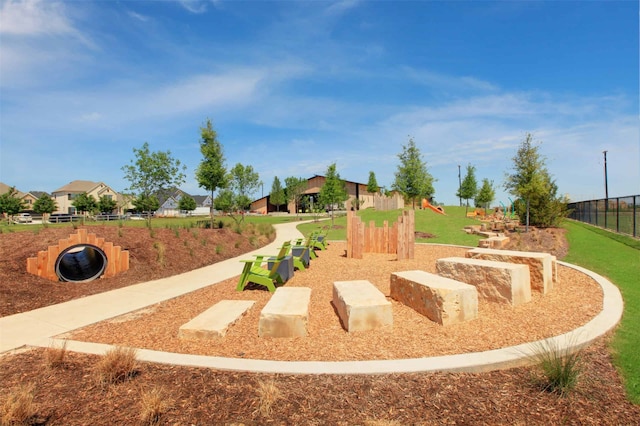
x: 107, y: 204
x: 242, y: 181
x: 295, y: 187
x: 10, y: 203
x: 372, y: 184
x: 211, y: 173
x: 44, y: 205
x: 412, y: 179
x: 277, y: 196
x: 85, y: 203
x: 151, y: 174
x: 530, y: 180
x: 333, y: 192
x: 187, y: 203
x: 146, y: 204
x: 469, y: 187
x: 486, y: 194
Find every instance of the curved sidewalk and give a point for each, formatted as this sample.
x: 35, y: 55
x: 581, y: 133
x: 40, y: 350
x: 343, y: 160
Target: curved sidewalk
x: 38, y: 328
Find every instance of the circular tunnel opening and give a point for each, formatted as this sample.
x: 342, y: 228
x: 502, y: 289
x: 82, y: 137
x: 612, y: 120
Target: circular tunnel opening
x: 80, y: 263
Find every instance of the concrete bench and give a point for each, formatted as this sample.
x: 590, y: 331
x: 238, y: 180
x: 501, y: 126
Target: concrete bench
x: 286, y: 314
x: 540, y: 264
x: 440, y: 299
x: 500, y: 282
x: 361, y: 306
x: 215, y: 321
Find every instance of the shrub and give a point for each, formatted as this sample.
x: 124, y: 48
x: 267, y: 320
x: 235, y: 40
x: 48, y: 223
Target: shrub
x: 153, y: 403
x: 219, y: 248
x: 118, y: 364
x: 18, y: 408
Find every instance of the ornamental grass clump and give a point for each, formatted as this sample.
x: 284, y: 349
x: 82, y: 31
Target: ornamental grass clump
x: 268, y: 395
x: 560, y: 366
x: 153, y: 403
x: 117, y: 365
x: 55, y: 355
x: 18, y: 408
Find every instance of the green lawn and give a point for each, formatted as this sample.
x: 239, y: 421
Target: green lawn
x: 617, y: 258
x: 614, y: 256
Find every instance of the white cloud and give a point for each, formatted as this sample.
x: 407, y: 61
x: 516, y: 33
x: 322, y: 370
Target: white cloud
x: 194, y: 6
x: 138, y: 16
x: 445, y: 82
x: 33, y: 17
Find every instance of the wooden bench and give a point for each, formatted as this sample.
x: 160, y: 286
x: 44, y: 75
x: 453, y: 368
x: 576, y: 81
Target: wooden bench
x: 361, y: 306
x: 286, y: 314
x: 215, y: 321
x: 500, y: 282
x: 540, y: 264
x: 440, y: 299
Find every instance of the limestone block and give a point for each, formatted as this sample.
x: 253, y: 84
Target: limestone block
x: 499, y: 282
x: 215, y: 321
x: 361, y: 306
x: 540, y: 264
x: 440, y: 299
x: 286, y: 314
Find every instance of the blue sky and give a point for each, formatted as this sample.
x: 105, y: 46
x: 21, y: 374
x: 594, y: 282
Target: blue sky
x: 292, y: 87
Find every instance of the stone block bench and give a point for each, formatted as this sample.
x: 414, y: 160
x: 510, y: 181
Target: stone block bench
x: 500, y: 282
x: 494, y: 242
x: 286, y: 314
x: 361, y: 306
x: 440, y: 299
x: 541, y: 265
x: 215, y: 321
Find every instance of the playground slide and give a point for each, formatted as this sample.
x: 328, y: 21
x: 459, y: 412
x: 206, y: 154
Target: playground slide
x: 427, y: 205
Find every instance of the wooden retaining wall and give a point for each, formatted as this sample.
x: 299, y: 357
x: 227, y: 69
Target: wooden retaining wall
x: 44, y: 264
x: 398, y: 238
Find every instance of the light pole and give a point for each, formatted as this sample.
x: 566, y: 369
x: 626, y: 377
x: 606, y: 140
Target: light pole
x: 606, y: 185
x: 459, y: 186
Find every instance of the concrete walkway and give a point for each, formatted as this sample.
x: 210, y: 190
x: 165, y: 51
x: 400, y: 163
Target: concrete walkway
x: 39, y: 327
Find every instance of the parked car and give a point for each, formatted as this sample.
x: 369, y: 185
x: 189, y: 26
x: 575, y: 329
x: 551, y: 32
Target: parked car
x: 23, y: 218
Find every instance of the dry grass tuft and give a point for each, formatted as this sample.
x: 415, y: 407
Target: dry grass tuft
x: 54, y: 356
x: 154, y: 403
x: 381, y: 422
x: 268, y: 394
x: 117, y: 365
x: 18, y: 408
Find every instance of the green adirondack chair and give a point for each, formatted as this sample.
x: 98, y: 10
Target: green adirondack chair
x: 308, y: 243
x: 254, y: 272
x: 299, y: 261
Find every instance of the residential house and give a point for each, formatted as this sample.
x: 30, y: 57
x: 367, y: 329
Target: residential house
x: 169, y: 203
x: 65, y: 195
x: 31, y: 197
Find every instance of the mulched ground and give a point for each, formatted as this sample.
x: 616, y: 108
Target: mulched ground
x: 70, y: 394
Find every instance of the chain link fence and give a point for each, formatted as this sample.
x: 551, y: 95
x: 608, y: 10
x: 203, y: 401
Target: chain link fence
x: 620, y: 214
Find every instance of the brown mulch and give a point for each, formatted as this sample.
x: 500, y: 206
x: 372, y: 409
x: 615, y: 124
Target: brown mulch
x: 175, y: 251
x: 71, y: 394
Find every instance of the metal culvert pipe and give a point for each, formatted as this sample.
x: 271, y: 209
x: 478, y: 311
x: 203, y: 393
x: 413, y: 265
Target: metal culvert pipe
x: 81, y: 263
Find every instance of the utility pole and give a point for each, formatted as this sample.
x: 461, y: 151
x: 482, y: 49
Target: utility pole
x: 459, y: 185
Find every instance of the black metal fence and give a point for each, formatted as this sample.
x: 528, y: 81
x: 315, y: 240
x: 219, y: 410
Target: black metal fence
x: 620, y: 214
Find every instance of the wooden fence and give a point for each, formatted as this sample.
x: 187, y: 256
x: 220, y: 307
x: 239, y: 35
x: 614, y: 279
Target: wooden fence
x: 396, y: 239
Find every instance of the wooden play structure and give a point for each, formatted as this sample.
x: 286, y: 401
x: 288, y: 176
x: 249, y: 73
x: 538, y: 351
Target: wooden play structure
x: 398, y: 239
x: 45, y: 264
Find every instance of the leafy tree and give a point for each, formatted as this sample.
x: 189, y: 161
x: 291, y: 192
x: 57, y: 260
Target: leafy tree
x: 295, y: 188
x: 486, y: 194
x: 187, y: 203
x: 44, y: 205
x: 531, y: 181
x: 412, y: 179
x: 372, y: 184
x: 10, y: 203
x: 333, y: 192
x: 107, y: 204
x: 152, y: 174
x: 85, y: 203
x: 277, y: 196
x: 147, y: 204
x: 211, y: 173
x: 242, y: 181
x: 469, y: 187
